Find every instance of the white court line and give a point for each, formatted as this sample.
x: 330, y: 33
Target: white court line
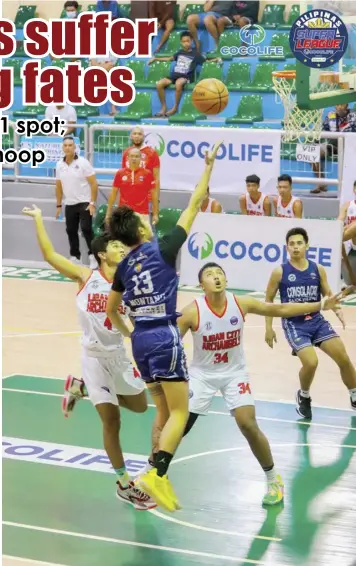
x: 225, y: 414
x: 132, y: 543
x: 30, y: 561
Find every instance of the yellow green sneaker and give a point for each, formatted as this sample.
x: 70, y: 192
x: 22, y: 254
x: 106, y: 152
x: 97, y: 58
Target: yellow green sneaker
x: 159, y: 488
x: 275, y: 493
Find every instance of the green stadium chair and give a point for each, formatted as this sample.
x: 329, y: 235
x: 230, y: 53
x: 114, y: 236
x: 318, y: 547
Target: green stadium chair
x: 91, y: 8
x: 157, y: 71
x: 24, y: 13
x: 208, y: 71
x: 29, y: 111
x: 97, y: 134
x: 262, y: 79
x: 20, y: 52
x: 187, y: 114
x: 171, y: 46
x: 140, y: 108
x: 115, y: 141
x: 273, y: 16
x: 125, y: 10
x: 16, y: 64
x: 293, y: 15
x: 86, y: 111
x: 7, y: 140
x: 228, y: 39
x: 138, y: 67
x: 249, y: 111
x: 238, y: 76
x: 99, y: 220
x: 188, y: 10
x: 168, y: 218
x: 279, y: 40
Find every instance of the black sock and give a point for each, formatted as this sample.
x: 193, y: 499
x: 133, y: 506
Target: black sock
x: 163, y: 459
x: 152, y: 459
x: 267, y: 468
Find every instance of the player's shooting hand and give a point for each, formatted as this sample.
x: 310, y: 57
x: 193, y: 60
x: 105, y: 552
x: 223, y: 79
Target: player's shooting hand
x: 270, y: 337
x: 210, y: 156
x: 331, y: 303
x: 34, y: 211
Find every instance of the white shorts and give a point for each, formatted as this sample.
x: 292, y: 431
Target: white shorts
x: 202, y: 389
x: 107, y: 377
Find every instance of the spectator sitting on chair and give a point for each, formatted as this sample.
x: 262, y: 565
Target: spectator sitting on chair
x: 76, y: 182
x: 164, y: 12
x: 187, y: 59
x: 105, y: 6
x: 65, y: 112
x: 216, y: 16
x: 71, y: 9
x: 210, y: 204
x: 245, y: 13
x: 342, y: 119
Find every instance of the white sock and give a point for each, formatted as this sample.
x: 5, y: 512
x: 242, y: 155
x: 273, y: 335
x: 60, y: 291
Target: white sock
x: 304, y: 393
x: 271, y: 476
x: 353, y: 393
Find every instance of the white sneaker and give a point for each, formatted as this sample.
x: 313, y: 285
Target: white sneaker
x: 75, y: 260
x: 73, y: 392
x: 93, y: 264
x: 133, y: 495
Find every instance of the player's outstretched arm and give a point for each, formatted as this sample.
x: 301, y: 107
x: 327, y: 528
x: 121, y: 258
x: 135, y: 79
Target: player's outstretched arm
x: 112, y: 306
x: 189, y: 319
x: 271, y: 292
x: 59, y: 262
x: 287, y: 310
x: 189, y: 215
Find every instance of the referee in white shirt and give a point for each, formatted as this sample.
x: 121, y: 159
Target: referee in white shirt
x: 76, y: 182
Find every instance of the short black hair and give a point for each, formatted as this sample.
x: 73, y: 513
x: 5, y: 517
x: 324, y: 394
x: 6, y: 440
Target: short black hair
x: 297, y: 232
x: 253, y: 179
x: 68, y: 137
x: 186, y: 34
x: 71, y: 4
x: 99, y: 245
x: 124, y: 225
x: 285, y: 177
x: 207, y: 266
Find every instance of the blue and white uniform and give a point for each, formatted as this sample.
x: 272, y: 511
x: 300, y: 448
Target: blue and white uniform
x: 298, y: 286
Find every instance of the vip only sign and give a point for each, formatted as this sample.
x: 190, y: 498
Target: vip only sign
x: 244, y: 152
x: 248, y: 248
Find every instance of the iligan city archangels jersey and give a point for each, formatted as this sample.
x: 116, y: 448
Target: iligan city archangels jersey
x: 301, y: 287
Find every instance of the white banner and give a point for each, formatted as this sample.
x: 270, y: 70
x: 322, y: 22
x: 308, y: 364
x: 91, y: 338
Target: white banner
x: 349, y: 169
x: 248, y: 248
x: 244, y: 152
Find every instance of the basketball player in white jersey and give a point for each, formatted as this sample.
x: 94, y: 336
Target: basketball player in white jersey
x: 211, y: 205
x: 347, y: 215
x: 254, y: 202
x: 109, y: 378
x: 216, y: 321
x: 286, y: 205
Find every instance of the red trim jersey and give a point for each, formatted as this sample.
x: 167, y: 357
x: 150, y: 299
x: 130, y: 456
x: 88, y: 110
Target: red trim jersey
x: 149, y: 158
x: 135, y: 188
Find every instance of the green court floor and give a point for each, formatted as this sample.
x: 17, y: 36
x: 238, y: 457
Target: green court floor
x: 59, y: 500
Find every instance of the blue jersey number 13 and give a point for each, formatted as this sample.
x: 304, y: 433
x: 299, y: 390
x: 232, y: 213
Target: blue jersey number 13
x: 143, y: 283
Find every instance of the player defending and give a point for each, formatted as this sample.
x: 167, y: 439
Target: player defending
x: 216, y: 321
x: 148, y: 282
x: 300, y: 279
x: 109, y: 377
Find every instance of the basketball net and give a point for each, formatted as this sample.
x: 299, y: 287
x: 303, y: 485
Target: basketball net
x: 304, y: 126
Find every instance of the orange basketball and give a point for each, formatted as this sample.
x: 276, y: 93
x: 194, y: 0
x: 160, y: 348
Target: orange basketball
x: 210, y: 96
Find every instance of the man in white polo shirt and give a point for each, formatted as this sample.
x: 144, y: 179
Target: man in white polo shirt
x: 76, y: 182
x: 65, y: 112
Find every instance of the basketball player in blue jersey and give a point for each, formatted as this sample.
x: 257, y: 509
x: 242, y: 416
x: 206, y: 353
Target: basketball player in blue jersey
x: 148, y: 283
x: 302, y: 280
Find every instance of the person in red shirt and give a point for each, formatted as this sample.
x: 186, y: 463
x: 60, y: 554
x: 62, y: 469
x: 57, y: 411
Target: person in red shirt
x: 134, y: 185
x: 149, y: 156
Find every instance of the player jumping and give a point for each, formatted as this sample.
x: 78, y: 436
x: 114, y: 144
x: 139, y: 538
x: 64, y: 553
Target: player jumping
x: 300, y: 279
x: 109, y: 376
x: 148, y: 281
x: 216, y: 321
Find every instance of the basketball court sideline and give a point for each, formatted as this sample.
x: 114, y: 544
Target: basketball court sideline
x: 64, y: 512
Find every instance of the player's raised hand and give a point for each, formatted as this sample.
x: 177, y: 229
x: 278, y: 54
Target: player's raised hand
x: 210, y: 156
x: 331, y: 303
x: 34, y: 211
x: 270, y: 337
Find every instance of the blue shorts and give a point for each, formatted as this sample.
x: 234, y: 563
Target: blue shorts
x: 159, y: 353
x: 308, y: 332
x: 203, y: 15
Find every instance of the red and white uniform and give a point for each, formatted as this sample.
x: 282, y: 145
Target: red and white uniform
x: 255, y: 208
x: 209, y: 206
x: 218, y: 359
x: 106, y: 367
x: 287, y: 210
x: 149, y: 158
x: 350, y: 218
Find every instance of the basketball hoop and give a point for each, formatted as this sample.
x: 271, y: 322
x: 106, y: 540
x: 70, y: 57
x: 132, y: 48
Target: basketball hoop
x: 304, y: 126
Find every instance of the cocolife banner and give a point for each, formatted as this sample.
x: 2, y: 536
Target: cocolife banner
x: 244, y: 152
x: 248, y: 248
